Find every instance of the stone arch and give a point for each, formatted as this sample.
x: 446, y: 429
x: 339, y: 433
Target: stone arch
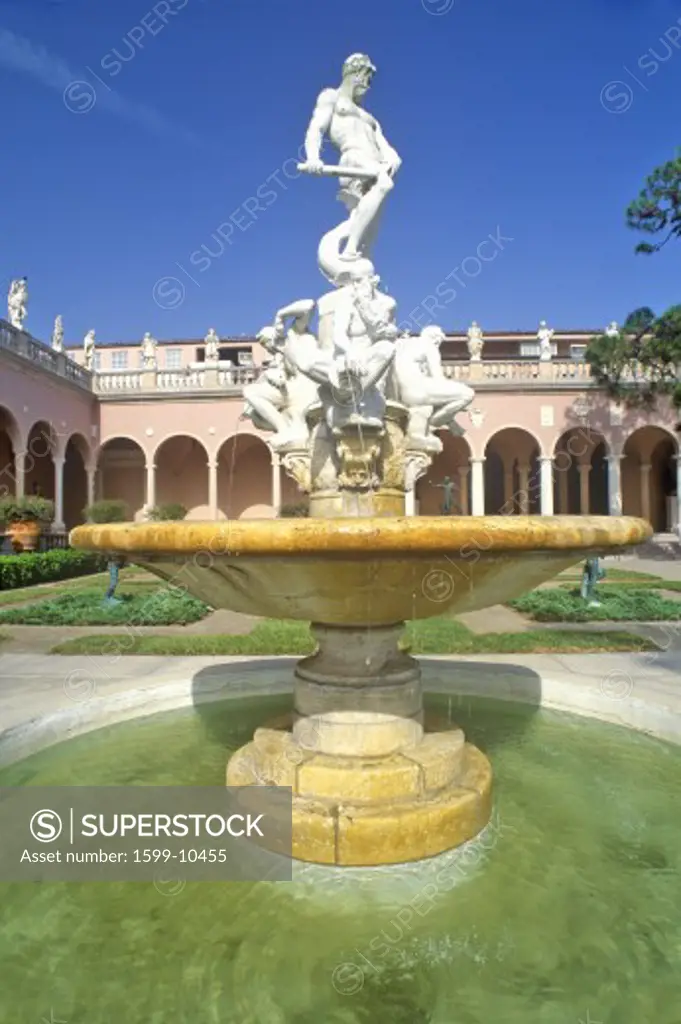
x: 10, y: 444
x: 453, y: 462
x: 512, y: 472
x: 244, y: 477
x: 41, y: 446
x: 649, y: 475
x: 77, y: 456
x: 580, y: 472
x: 181, y: 462
x: 121, y: 473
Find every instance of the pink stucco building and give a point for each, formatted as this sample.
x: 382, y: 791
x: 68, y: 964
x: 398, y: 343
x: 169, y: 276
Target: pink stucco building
x: 540, y: 437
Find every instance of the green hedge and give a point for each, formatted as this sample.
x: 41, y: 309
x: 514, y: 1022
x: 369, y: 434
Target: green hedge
x: 45, y: 566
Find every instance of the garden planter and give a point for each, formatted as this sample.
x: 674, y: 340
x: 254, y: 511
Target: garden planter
x: 24, y: 534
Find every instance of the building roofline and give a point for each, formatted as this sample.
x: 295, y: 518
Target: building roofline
x: 251, y: 340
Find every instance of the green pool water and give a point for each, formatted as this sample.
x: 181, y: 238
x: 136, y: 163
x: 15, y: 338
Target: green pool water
x: 568, y: 910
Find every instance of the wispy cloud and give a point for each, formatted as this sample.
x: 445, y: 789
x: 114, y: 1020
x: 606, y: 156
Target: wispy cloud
x: 19, y: 54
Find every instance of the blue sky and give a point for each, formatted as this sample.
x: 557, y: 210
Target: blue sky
x: 504, y: 115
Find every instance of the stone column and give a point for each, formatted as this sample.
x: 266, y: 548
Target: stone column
x: 645, y: 490
x: 546, y: 485
x: 150, y: 495
x: 524, y: 484
x: 508, y: 484
x: 584, y: 471
x: 478, y: 486
x: 91, y: 473
x: 213, y: 488
x: 614, y: 485
x: 563, y: 494
x: 276, y: 483
x: 415, y: 466
x: 678, y: 495
x: 463, y: 490
x: 19, y: 474
x: 58, y: 524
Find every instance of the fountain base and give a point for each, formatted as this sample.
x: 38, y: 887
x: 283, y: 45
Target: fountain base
x: 415, y: 800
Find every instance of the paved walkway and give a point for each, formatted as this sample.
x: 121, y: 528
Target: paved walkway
x: 41, y: 639
x: 44, y: 699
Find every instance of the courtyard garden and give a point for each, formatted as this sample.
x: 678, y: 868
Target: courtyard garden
x: 66, y: 589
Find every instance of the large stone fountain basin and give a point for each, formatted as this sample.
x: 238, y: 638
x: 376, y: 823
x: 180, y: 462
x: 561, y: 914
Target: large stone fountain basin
x: 365, y: 571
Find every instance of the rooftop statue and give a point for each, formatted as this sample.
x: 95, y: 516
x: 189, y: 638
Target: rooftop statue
x: 17, y: 301
x: 58, y: 335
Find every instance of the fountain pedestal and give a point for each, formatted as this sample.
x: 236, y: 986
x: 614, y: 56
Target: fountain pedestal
x: 372, y: 783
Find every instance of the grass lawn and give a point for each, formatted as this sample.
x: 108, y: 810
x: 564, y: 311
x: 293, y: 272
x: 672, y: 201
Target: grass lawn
x: 59, y: 587
x: 144, y: 604
x: 429, y: 636
x: 618, y: 604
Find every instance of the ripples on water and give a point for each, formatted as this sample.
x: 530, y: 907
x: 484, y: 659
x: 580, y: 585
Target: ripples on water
x: 566, y: 904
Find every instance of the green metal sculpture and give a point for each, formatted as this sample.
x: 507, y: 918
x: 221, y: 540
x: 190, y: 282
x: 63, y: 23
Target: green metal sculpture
x: 591, y: 574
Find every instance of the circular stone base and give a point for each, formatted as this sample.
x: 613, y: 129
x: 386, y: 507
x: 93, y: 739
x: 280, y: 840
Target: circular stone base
x: 360, y: 812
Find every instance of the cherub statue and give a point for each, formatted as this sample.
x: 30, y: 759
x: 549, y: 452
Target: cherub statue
x: 58, y: 335
x: 17, y: 301
x: 149, y: 344
x: 433, y: 400
x: 475, y: 342
x: 89, y: 350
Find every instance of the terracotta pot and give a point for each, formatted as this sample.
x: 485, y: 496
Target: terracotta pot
x: 24, y: 534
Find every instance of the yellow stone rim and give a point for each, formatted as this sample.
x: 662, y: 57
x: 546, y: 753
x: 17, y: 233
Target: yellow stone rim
x: 420, y: 534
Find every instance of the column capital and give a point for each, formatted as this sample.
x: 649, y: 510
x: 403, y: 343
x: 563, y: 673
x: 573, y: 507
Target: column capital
x: 546, y: 458
x: 211, y: 463
x: 149, y: 466
x: 611, y: 459
x: 478, y: 459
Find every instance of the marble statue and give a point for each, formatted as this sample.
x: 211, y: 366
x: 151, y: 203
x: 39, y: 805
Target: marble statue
x: 58, y: 335
x: 149, y: 344
x: 353, y: 407
x: 432, y: 399
x: 89, y: 350
x: 475, y: 342
x: 211, y: 345
x: 367, y: 163
x: 17, y: 301
x: 545, y: 336
x: 279, y: 399
x: 612, y: 330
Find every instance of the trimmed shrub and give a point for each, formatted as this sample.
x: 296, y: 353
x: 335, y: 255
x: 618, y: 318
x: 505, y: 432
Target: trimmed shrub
x: 617, y: 604
x: 28, y: 507
x: 165, y: 606
x: 297, y: 510
x: 45, y: 566
x: 107, y: 512
x: 171, y: 511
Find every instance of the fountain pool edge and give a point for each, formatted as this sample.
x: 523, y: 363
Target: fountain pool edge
x: 599, y: 686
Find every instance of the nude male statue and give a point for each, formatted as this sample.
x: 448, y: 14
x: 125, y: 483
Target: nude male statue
x: 433, y: 400
x: 363, y: 148
x: 280, y: 397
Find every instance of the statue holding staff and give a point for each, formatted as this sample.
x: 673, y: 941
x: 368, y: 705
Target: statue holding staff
x: 367, y: 163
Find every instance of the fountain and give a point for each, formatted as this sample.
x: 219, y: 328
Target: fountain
x: 354, y: 411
